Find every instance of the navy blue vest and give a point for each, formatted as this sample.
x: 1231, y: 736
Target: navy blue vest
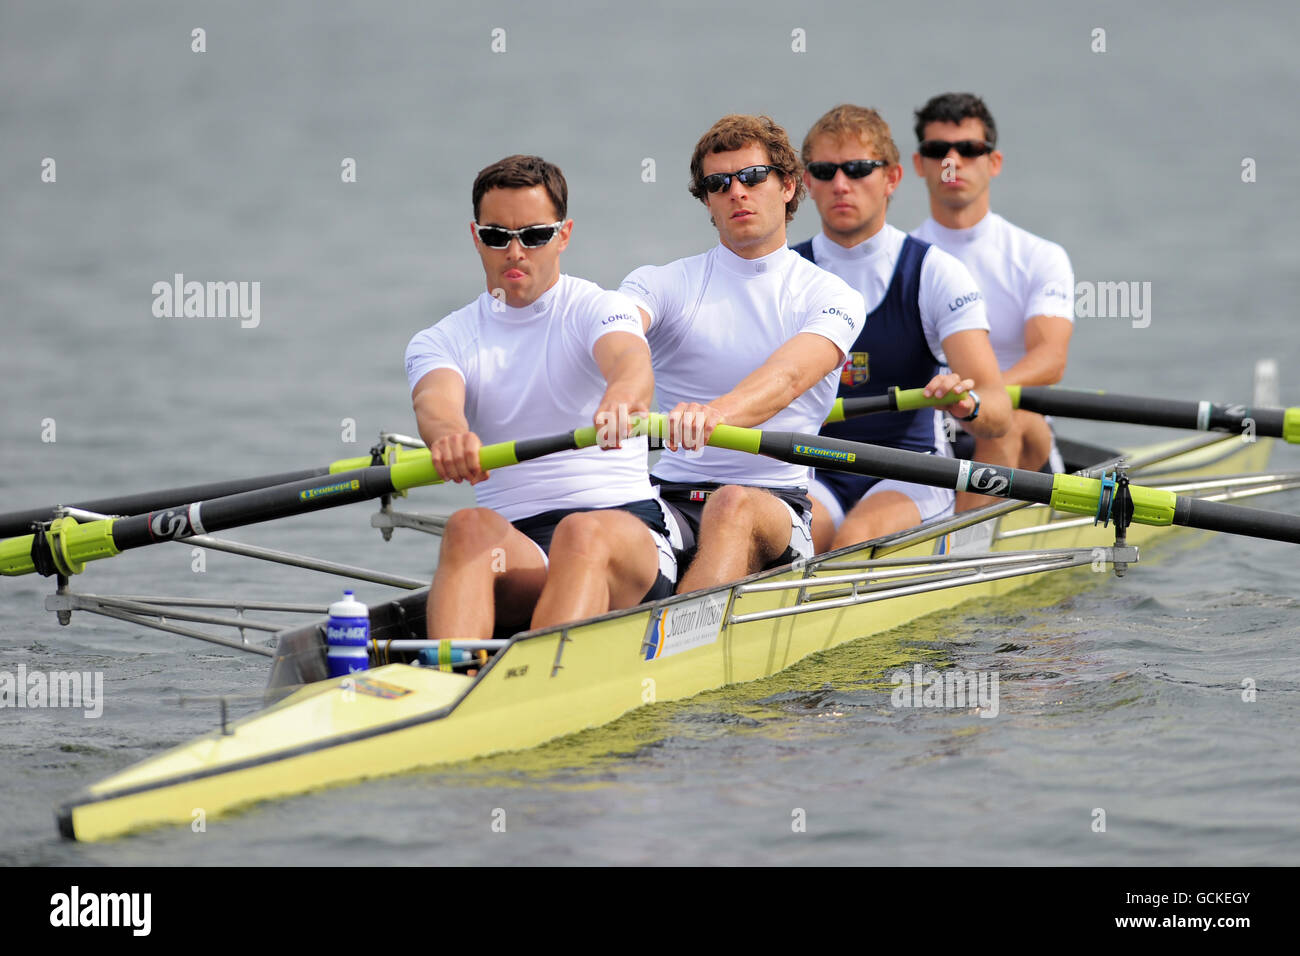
x: 891, y: 350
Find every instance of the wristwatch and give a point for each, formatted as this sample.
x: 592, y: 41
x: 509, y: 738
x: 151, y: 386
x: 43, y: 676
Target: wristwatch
x: 975, y: 412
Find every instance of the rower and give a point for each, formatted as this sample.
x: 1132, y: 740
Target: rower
x: 1027, y: 282
x: 747, y: 334
x: 925, y: 312
x: 573, y: 534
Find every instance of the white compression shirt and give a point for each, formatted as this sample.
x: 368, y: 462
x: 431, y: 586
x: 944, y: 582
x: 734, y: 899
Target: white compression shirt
x: 529, y: 373
x: 1020, y: 275
x: 717, y: 317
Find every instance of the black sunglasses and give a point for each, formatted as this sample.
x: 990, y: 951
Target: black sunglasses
x: 750, y: 176
x: 530, y: 237
x: 966, y: 148
x: 854, y: 168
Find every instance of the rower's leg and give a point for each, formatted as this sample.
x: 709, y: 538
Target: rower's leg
x: 823, y: 527
x: 882, y: 513
x: 741, y: 530
x: 1036, y: 439
x: 600, y: 561
x: 1004, y: 450
x: 485, y: 564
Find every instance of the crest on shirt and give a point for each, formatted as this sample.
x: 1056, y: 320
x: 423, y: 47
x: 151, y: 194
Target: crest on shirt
x: 856, y: 370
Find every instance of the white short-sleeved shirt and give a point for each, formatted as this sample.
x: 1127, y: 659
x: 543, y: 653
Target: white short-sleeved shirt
x: 1021, y: 275
x: 717, y: 317
x: 530, y: 373
x: 949, y: 297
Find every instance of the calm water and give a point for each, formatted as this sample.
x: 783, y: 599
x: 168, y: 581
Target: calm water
x: 225, y: 165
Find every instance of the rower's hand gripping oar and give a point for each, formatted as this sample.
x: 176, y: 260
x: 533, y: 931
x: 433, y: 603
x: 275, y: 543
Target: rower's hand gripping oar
x: 1281, y: 423
x: 65, y: 546
x: 1069, y: 493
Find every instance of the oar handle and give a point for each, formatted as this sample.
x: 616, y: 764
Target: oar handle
x: 895, y: 400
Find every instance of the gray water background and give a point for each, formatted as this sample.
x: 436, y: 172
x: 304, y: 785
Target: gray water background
x: 225, y: 165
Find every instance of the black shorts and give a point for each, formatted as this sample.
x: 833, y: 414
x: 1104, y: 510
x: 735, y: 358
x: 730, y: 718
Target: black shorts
x: 540, y: 528
x: 848, y: 489
x: 687, y: 504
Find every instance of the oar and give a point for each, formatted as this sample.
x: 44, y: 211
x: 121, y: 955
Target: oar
x: 20, y: 522
x: 1069, y: 493
x: 1281, y: 423
x: 895, y: 400
x: 67, y: 546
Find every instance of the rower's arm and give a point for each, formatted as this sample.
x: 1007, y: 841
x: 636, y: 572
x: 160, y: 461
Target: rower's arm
x: 971, y: 356
x: 1047, y: 346
x: 439, y: 402
x: 791, y: 370
x: 624, y: 360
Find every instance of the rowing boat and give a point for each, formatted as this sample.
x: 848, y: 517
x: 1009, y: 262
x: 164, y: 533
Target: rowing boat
x: 540, y: 685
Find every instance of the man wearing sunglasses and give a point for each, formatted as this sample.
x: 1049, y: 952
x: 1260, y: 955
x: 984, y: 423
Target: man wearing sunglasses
x: 925, y: 311
x: 748, y: 334
x: 572, y: 534
x: 1027, y: 282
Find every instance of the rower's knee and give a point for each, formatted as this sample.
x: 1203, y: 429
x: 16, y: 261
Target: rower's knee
x: 730, y: 505
x: 1003, y: 450
x: 580, y: 537
x: 470, y: 532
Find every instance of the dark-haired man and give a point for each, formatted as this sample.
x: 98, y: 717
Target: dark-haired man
x: 569, y: 535
x: 749, y: 334
x: 925, y: 312
x: 1027, y: 282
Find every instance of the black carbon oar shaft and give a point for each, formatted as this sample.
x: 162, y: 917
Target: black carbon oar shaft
x: 20, y: 522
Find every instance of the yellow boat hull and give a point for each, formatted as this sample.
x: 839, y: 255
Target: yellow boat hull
x: 543, y: 685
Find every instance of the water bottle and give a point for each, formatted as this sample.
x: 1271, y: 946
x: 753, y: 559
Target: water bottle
x: 348, y: 635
